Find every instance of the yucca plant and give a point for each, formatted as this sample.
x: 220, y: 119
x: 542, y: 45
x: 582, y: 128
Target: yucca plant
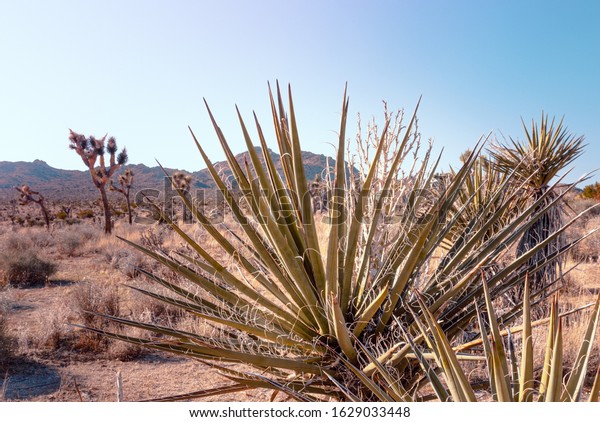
x: 547, y: 149
x: 298, y: 301
x: 507, y: 380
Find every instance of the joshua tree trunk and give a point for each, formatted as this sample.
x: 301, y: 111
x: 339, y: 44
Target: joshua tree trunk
x: 129, y: 208
x: 107, y: 222
x: 45, y: 213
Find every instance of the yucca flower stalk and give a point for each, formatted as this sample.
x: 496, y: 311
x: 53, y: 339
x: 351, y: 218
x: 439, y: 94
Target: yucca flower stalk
x: 298, y: 300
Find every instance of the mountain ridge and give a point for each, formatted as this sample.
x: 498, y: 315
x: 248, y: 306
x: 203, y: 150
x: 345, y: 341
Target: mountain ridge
x: 58, y: 184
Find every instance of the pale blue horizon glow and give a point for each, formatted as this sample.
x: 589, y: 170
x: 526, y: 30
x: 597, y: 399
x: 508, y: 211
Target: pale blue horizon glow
x: 139, y: 70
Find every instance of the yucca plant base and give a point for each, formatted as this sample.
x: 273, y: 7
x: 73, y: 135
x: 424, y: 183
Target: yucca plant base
x: 314, y: 315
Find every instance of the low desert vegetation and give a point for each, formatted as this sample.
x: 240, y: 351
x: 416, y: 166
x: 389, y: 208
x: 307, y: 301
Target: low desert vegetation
x: 21, y: 264
x: 7, y: 342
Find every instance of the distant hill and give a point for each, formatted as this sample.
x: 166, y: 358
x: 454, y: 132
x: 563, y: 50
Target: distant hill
x: 57, y: 185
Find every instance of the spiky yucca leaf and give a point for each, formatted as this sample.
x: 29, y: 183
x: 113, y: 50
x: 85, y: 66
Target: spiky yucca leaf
x: 551, y: 387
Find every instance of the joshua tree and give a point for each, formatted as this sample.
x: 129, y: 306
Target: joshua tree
x: 319, y: 193
x: 126, y: 181
x: 548, y: 149
x: 27, y: 196
x: 67, y: 210
x: 183, y: 182
x: 91, y: 150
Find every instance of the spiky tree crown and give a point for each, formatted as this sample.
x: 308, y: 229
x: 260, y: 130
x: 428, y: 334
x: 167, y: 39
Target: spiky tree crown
x: 548, y: 148
x: 92, y: 150
x: 125, y: 180
x: 28, y: 195
x: 182, y: 180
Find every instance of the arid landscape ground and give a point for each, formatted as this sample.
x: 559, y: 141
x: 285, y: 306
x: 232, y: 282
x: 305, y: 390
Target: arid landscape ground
x: 46, y: 358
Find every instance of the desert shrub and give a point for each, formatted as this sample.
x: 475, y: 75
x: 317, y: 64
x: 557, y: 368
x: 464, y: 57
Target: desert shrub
x: 16, y: 241
x: 61, y: 215
x: 41, y: 238
x: 69, y: 243
x: 589, y: 248
x: 89, y: 299
x: 73, y: 240
x: 6, y: 341
x: 23, y: 268
x: 128, y: 262
x: 591, y: 191
x: 86, y: 213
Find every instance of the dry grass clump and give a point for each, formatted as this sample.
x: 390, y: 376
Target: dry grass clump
x: 15, y: 240
x: 20, y: 263
x: 73, y: 240
x: 6, y: 341
x: 89, y: 299
x: 41, y: 238
x: 48, y: 337
x: 125, y: 260
x: 25, y: 269
x: 152, y: 311
x: 589, y: 248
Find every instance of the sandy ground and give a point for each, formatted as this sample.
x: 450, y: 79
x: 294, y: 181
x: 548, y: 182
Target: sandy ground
x: 37, y: 373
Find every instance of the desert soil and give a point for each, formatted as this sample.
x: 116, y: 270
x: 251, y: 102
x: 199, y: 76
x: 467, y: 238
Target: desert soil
x: 44, y: 375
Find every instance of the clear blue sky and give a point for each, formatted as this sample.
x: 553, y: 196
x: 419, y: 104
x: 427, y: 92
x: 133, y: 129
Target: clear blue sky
x: 140, y: 69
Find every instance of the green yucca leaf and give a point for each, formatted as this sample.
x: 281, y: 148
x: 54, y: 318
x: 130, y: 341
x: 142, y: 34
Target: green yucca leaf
x: 365, y: 317
x: 429, y: 371
x: 201, y: 350
x: 391, y: 383
x: 550, y: 346
x: 370, y: 384
x: 341, y: 331
x: 554, y: 388
x: 349, y: 395
x: 514, y: 374
x: 595, y: 392
x: 457, y: 382
x: 297, y: 282
x: 231, y: 319
x: 501, y: 373
x: 478, y: 342
x: 297, y: 384
x: 487, y: 347
x: 197, y: 395
x: 526, y: 379
x: 574, y: 385
x: 372, y: 227
x: 354, y: 232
